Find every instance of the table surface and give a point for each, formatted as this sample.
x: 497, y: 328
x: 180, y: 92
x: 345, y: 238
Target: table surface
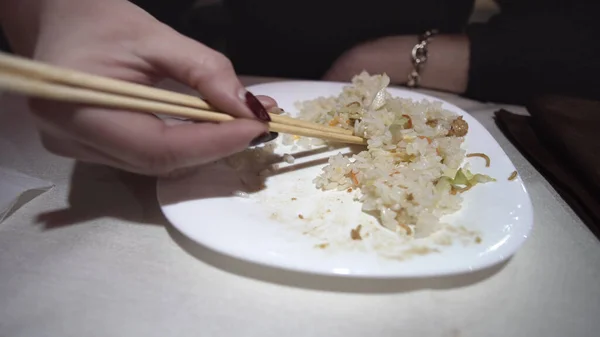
x: 95, y: 257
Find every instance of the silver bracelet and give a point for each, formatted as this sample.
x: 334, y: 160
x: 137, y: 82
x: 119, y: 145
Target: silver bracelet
x: 419, y: 57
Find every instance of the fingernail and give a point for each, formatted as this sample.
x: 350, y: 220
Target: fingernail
x: 273, y: 135
x: 255, y: 106
x: 264, y: 138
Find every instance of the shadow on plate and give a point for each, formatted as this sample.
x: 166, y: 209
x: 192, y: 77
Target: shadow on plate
x: 220, y: 180
x: 326, y: 283
x: 306, y: 164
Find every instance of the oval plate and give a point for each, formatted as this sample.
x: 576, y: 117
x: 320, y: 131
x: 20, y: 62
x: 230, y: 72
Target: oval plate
x: 292, y: 225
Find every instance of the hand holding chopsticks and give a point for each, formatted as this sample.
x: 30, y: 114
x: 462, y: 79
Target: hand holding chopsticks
x: 40, y: 80
x: 100, y: 120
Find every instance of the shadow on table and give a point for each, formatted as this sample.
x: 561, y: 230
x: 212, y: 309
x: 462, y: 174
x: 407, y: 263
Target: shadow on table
x: 326, y: 283
x: 100, y: 192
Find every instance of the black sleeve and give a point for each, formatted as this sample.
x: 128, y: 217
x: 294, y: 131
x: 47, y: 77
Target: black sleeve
x: 3, y: 42
x: 170, y: 12
x: 525, y: 51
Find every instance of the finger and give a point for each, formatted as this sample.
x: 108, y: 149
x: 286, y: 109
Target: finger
x: 267, y: 101
x: 70, y: 148
x: 176, y: 121
x: 148, y: 144
x: 203, y: 69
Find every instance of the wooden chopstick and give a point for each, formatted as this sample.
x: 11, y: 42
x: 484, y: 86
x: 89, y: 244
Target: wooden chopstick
x: 18, y: 83
x: 39, y: 70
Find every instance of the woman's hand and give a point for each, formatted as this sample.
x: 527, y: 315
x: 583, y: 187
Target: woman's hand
x: 115, y: 38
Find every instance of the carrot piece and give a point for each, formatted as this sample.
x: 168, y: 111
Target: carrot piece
x: 428, y: 139
x: 353, y: 177
x: 409, y: 124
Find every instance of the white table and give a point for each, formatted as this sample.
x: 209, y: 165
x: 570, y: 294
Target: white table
x: 94, y: 257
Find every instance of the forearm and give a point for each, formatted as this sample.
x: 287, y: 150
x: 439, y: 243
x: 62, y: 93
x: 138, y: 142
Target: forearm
x: 446, y: 69
x: 447, y: 65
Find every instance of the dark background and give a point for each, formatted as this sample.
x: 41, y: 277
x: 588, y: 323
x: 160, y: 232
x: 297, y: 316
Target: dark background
x: 204, y: 20
x: 3, y: 43
x: 207, y: 21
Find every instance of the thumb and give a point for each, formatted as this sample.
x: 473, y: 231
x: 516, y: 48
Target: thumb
x: 204, y: 69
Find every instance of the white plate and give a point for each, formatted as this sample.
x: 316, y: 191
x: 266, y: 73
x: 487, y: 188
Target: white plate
x: 266, y: 229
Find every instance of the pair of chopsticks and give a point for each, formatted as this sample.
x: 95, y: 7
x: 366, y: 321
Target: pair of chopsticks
x: 36, y: 79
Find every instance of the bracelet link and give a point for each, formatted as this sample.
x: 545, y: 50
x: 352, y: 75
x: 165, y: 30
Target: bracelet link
x: 419, y: 53
x: 419, y: 56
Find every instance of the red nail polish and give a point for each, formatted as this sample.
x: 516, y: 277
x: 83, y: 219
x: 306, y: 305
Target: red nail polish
x: 256, y: 107
x: 265, y: 137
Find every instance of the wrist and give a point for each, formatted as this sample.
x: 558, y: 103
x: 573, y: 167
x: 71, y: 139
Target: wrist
x: 447, y: 66
x: 25, y: 21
